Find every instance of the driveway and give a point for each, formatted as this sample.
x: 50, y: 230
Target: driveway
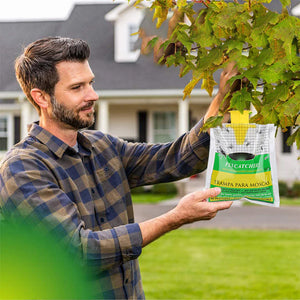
x: 237, y: 217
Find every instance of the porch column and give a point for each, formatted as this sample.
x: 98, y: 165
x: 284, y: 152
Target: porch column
x: 183, y: 116
x: 103, y: 116
x: 26, y: 116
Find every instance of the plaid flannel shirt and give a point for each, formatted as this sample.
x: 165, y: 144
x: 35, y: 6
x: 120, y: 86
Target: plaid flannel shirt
x: 85, y: 195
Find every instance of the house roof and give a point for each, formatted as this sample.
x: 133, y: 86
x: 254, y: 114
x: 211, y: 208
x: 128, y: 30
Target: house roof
x: 86, y: 22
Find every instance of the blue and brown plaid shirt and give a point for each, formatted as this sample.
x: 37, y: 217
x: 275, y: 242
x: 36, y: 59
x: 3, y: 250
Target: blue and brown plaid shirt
x: 85, y: 195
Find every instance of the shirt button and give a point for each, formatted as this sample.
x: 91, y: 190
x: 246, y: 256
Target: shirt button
x: 126, y: 280
x: 102, y: 220
x: 93, y: 191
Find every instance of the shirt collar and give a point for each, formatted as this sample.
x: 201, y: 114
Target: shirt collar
x: 57, y: 146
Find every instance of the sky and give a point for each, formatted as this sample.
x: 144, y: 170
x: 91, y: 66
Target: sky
x: 22, y: 10
x: 27, y: 10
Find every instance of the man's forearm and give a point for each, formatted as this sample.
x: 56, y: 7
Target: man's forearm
x: 214, y: 107
x: 193, y: 207
x: 154, y: 228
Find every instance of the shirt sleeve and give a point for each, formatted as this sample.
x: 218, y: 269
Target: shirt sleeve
x: 28, y: 188
x: 149, y: 164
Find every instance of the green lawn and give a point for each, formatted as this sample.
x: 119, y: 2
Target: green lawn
x: 151, y: 198
x: 155, y: 198
x: 222, y: 264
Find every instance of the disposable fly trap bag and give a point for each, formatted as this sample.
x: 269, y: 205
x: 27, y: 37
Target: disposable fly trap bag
x: 242, y: 161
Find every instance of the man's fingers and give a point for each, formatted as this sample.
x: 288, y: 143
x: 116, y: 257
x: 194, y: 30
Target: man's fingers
x: 222, y: 205
x: 203, y: 195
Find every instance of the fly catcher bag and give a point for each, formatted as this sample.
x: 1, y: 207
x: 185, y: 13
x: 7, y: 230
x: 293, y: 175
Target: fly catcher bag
x: 242, y: 161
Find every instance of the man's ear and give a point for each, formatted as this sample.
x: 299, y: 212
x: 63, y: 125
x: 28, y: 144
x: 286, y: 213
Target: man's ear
x: 40, y: 97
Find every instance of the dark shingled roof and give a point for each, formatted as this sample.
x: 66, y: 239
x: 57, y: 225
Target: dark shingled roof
x: 87, y: 22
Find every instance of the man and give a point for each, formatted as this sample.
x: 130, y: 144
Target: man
x: 78, y: 182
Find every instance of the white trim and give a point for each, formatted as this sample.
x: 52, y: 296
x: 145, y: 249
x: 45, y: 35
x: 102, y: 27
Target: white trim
x: 11, y: 95
x: 103, y: 116
x: 149, y: 93
x: 114, y: 14
x: 152, y: 93
x: 183, y: 116
x: 296, y: 10
x: 123, y: 16
x: 10, y: 130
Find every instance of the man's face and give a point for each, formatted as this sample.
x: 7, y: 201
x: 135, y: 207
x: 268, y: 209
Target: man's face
x: 74, y: 97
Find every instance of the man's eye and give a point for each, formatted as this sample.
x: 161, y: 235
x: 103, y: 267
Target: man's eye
x: 76, y: 87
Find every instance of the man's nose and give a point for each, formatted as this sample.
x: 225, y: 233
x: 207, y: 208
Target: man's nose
x: 92, y: 95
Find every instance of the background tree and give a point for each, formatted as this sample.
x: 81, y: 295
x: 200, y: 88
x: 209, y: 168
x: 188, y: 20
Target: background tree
x: 264, y: 44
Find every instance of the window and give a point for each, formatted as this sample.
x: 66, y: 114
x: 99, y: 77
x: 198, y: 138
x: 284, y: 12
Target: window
x: 285, y: 136
x: 127, y: 20
x: 6, y: 132
x: 164, y: 127
x: 133, y: 36
x: 3, y: 133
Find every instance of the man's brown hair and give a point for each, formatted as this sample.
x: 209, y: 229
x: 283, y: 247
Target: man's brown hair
x: 36, y: 66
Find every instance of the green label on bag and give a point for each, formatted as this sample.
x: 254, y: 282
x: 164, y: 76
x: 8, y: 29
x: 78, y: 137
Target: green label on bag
x: 238, y: 179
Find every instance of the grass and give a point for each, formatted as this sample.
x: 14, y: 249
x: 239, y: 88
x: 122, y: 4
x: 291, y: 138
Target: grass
x: 216, y: 264
x: 284, y: 201
x: 151, y: 198
x: 155, y: 198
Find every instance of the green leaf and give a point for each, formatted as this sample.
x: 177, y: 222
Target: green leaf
x: 269, y: 114
x: 265, y: 57
x: 208, y: 83
x: 233, y: 44
x: 258, y: 38
x: 171, y: 60
x: 285, y: 31
x: 152, y: 42
x: 184, y: 70
x: 263, y: 20
x: 297, y: 123
x: 291, y: 107
x: 295, y: 137
x: 273, y: 73
x: 285, y: 3
x: 212, y: 122
x: 252, y: 75
x: 282, y: 91
x: 256, y: 103
x: 185, y: 40
x: 190, y: 86
x: 240, y: 100
x: 258, y: 119
x: 181, y: 3
x: 214, y: 56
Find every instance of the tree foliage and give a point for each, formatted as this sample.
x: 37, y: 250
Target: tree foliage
x: 263, y: 43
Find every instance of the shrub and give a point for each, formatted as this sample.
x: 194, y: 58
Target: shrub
x: 283, y: 188
x: 161, y: 188
x: 139, y: 190
x: 164, y: 188
x: 296, y: 189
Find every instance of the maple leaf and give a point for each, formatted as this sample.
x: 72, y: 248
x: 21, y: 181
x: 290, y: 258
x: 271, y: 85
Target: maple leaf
x: 208, y: 84
x: 212, y: 122
x: 190, y: 86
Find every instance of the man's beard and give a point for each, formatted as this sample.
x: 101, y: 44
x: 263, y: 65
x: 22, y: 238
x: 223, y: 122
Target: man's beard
x: 71, y: 117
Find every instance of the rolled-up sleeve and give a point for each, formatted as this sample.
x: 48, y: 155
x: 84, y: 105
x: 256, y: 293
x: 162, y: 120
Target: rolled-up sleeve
x: 149, y: 164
